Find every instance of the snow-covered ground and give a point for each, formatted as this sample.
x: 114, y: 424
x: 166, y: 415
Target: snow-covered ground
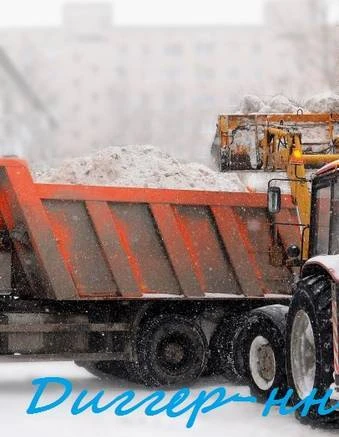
x: 16, y: 392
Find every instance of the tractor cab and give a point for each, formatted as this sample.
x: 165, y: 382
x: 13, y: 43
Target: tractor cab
x: 312, y: 339
x: 324, y: 220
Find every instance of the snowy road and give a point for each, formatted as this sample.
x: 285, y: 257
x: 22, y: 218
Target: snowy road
x: 16, y: 392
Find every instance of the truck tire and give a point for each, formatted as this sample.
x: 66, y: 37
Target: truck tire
x: 264, y: 353
x: 171, y: 350
x: 309, y: 344
x: 225, y: 349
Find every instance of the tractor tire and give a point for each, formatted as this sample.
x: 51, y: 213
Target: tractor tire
x: 264, y: 355
x: 171, y: 350
x: 309, y: 345
x: 225, y: 349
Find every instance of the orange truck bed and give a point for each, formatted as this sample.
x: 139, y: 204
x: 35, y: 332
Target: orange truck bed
x: 77, y: 242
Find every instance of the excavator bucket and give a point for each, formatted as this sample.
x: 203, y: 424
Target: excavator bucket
x: 238, y: 142
x: 240, y: 159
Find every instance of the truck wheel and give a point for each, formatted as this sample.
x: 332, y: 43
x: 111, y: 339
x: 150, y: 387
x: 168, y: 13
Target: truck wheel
x: 171, y: 350
x: 225, y: 348
x: 309, y: 344
x: 264, y: 352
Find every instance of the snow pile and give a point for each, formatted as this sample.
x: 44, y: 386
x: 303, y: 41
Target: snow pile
x: 281, y: 104
x: 326, y: 102
x: 250, y: 104
x: 278, y: 104
x: 139, y: 166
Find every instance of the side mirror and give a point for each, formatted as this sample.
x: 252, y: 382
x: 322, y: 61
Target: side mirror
x: 274, y: 200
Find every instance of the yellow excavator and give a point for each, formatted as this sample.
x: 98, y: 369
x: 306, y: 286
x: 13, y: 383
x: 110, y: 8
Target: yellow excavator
x: 282, y: 150
x: 289, y: 144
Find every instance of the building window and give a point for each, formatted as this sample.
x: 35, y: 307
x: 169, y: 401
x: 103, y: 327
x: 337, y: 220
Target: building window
x: 205, y: 73
x: 175, y: 49
x: 77, y: 57
x: 76, y: 108
x: 205, y: 101
x: 120, y: 72
x: 173, y: 99
x: 204, y: 47
x: 145, y: 100
x: 256, y: 48
x: 233, y: 73
x: 95, y: 68
x: 172, y: 73
x: 123, y: 49
x: 76, y: 82
x: 94, y: 120
x: 145, y: 49
x: 95, y: 97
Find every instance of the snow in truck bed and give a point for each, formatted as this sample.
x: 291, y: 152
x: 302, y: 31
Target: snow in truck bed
x: 139, y: 166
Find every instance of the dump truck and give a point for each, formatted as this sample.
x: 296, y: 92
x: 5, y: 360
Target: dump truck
x: 161, y: 286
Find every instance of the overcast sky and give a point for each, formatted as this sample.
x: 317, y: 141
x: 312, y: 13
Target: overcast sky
x: 147, y: 12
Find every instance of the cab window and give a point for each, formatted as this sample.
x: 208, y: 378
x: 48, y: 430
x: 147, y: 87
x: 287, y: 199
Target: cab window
x: 323, y: 214
x: 334, y: 236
